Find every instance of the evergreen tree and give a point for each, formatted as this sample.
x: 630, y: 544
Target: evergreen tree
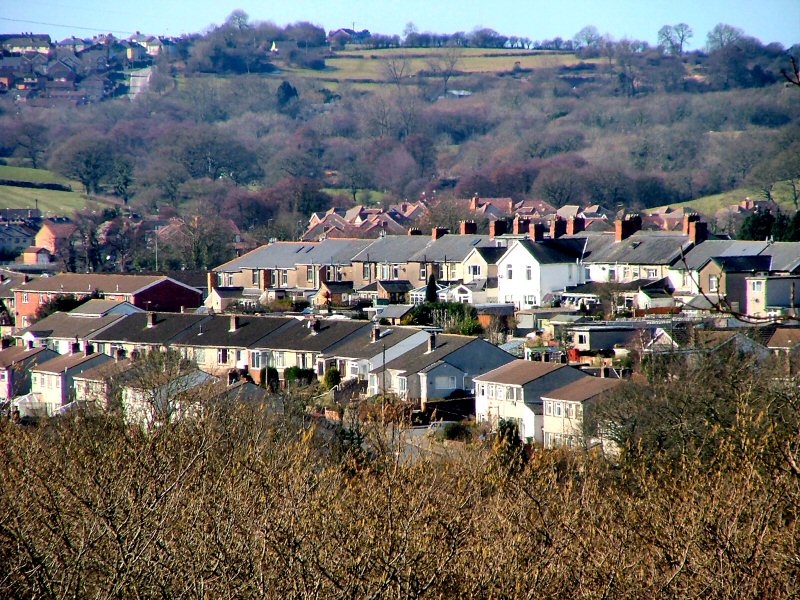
x: 431, y: 290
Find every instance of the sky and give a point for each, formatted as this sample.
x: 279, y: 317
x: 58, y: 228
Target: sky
x: 767, y: 20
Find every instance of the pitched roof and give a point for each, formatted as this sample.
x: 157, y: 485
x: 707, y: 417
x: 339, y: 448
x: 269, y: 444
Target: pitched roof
x: 452, y: 247
x: 491, y: 254
x: 554, y: 251
x: 393, y: 249
x: 133, y: 328
x: 216, y: 331
x: 396, y: 287
x: 64, y: 325
x: 784, y: 337
x: 338, y: 251
x: 94, y: 307
x: 299, y: 336
x: 106, y: 370
x: 278, y: 255
x: 643, y: 248
x: 69, y: 361
x: 520, y: 372
x: 360, y: 345
x: 79, y: 283
x: 15, y: 354
x: 743, y: 264
x: 414, y: 362
x: 701, y: 253
x: 583, y: 389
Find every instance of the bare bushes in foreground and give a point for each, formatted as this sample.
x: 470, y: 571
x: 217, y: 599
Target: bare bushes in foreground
x: 232, y: 504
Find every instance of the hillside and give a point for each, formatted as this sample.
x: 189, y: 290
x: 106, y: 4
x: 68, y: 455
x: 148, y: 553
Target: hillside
x: 50, y: 202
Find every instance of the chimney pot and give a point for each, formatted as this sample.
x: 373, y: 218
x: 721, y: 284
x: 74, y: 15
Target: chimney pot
x: 431, y: 341
x: 469, y: 228
x: 575, y: 225
x: 558, y: 227
x: 414, y: 231
x: 520, y: 226
x: 497, y: 228
x: 151, y: 320
x: 438, y: 232
x: 538, y: 232
x: 376, y: 333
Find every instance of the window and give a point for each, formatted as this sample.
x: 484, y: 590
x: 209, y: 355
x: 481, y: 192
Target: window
x: 713, y: 283
x: 401, y: 384
x: 440, y: 272
x: 509, y: 272
x: 530, y: 300
x: 483, y: 390
x: 395, y: 271
x: 25, y: 297
x: 548, y: 407
x: 528, y: 273
x: 222, y: 356
x: 200, y: 355
x: 423, y: 272
x: 757, y: 286
x: 582, y: 338
x: 474, y: 270
x: 254, y: 278
x: 384, y: 272
x: 501, y: 392
x: 256, y: 360
x: 284, y: 278
x: 651, y: 273
x: 42, y: 298
x: 612, y: 274
x: 310, y: 274
x: 365, y: 271
x: 557, y: 409
x: 273, y: 278
x: 279, y: 359
x: 445, y: 382
x: 491, y: 390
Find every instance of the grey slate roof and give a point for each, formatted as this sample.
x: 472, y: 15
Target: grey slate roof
x: 554, y: 251
x: 334, y: 252
x: 491, y: 254
x: 393, y: 249
x: 65, y: 325
x: 394, y: 311
x: 452, y: 247
x: 785, y: 256
x: 215, y: 331
x: 299, y: 337
x: 414, y: 362
x: 643, y: 248
x: 133, y: 328
x: 360, y: 345
x: 701, y: 253
x: 279, y: 255
x: 743, y: 264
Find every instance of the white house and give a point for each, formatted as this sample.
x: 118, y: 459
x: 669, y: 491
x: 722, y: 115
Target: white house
x: 529, y: 270
x: 515, y: 390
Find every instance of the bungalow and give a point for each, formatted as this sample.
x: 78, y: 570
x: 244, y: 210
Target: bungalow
x: 514, y: 391
x: 446, y: 365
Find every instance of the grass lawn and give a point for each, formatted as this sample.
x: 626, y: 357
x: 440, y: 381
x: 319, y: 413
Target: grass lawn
x: 51, y: 202
x: 708, y: 205
x: 34, y: 175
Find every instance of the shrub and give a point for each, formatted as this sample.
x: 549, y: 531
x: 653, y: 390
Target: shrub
x: 299, y: 376
x: 458, y: 431
x: 332, y: 378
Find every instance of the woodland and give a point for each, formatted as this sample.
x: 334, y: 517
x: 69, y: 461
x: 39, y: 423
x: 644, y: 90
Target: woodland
x: 229, y: 128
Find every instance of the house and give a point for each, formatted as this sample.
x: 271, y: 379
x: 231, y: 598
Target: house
x: 60, y: 330
x: 481, y: 263
x: 16, y: 363
x: 32, y: 255
x: 514, y: 391
x: 389, y: 292
x: 20, y: 43
x: 99, y: 386
x: 14, y: 239
x: 52, y: 381
x: 369, y: 347
x: 152, y: 292
x: 220, y: 344
x: 142, y: 332
x: 445, y: 365
x: 303, y: 343
x: 164, y: 398
x: 57, y: 236
x: 8, y: 281
x: 334, y: 293
x: 769, y: 296
x: 563, y: 411
x: 531, y: 269
x: 726, y: 277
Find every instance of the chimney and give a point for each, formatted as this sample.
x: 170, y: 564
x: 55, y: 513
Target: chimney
x: 119, y: 354
x: 414, y: 231
x: 438, y: 232
x: 234, y: 323
x: 233, y: 377
x: 575, y: 225
x: 520, y: 226
x: 74, y: 348
x: 473, y: 203
x: 468, y: 228
x: 537, y: 230
x: 688, y: 220
x: 431, y: 341
x: 376, y: 333
x: 558, y: 227
x: 88, y: 348
x: 212, y: 281
x: 151, y: 320
x: 605, y: 372
x: 626, y: 227
x: 183, y: 310
x: 698, y: 232
x: 5, y: 343
x: 497, y: 228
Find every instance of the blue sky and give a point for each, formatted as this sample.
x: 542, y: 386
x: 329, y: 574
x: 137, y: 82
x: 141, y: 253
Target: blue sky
x: 768, y: 20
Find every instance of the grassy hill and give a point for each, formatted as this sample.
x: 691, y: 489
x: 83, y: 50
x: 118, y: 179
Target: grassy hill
x: 51, y: 202
x: 708, y: 205
x: 367, y: 67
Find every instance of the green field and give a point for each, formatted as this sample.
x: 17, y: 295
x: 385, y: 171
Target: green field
x: 368, y: 66
x: 51, y: 202
x: 708, y: 205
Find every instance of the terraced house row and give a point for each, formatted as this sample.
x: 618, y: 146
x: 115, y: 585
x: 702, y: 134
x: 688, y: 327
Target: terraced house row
x: 527, y: 264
